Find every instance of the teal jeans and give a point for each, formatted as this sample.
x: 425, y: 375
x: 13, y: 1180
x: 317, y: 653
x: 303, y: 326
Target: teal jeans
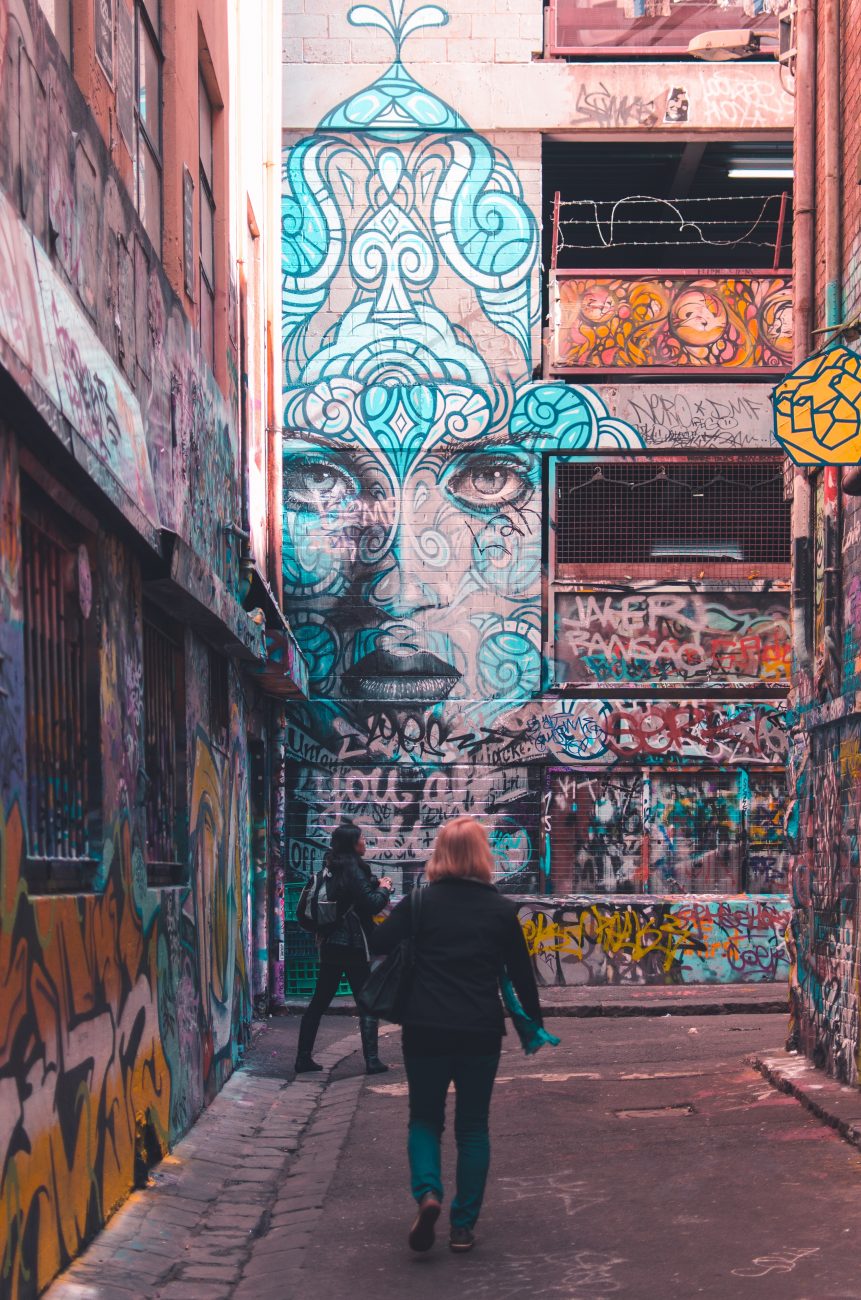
x: 428, y: 1078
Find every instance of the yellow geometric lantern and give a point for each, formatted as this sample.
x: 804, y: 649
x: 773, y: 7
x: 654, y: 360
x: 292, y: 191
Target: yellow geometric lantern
x: 817, y: 410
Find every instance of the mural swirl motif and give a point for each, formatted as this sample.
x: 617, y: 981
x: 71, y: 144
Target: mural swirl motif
x: 413, y: 451
x: 740, y: 323
x: 411, y: 472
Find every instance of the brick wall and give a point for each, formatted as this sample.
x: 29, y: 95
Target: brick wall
x: 500, y: 31
x: 825, y: 927
x: 416, y: 447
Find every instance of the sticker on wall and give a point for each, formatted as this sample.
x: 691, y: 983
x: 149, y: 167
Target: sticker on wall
x: 817, y: 409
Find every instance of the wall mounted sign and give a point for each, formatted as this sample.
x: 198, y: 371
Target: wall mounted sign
x: 105, y: 37
x: 817, y: 409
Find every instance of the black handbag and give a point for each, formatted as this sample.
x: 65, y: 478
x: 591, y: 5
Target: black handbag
x: 384, y: 994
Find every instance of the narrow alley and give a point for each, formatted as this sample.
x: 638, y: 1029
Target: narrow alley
x: 643, y: 1157
x: 430, y: 592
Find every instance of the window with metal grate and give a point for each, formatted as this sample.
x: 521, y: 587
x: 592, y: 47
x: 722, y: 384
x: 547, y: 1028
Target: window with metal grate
x: 219, y: 699
x: 165, y: 797
x: 681, y: 517
x: 61, y: 687
x: 651, y: 832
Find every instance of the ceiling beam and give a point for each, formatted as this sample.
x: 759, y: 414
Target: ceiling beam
x: 692, y: 156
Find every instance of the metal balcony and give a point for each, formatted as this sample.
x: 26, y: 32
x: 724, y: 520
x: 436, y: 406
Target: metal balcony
x: 622, y: 28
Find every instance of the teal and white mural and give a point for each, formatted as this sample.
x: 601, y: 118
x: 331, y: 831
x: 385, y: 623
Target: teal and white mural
x: 415, y: 454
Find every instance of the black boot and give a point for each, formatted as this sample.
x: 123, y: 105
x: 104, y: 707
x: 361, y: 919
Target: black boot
x: 305, y: 1063
x: 369, y: 1028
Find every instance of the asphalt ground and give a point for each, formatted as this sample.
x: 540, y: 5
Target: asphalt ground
x: 641, y: 1158
x: 644, y: 1158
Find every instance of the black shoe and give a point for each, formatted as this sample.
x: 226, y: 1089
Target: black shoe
x: 305, y: 1064
x: 422, y: 1232
x: 369, y: 1028
x: 461, y: 1239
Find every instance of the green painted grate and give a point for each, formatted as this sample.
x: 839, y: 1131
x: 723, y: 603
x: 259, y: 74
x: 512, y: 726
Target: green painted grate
x: 300, y: 979
x: 292, y: 892
x: 301, y: 964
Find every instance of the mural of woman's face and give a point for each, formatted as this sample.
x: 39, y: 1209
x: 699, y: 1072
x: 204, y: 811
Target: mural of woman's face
x: 422, y: 569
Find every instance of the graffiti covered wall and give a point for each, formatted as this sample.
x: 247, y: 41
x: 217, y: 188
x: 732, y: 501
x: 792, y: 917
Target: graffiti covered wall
x: 825, y: 923
x: 416, y: 449
x: 689, y: 940
x: 668, y: 636
x: 125, y: 1007
x: 817, y: 419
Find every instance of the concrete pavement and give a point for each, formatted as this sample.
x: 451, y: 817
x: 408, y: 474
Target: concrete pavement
x: 835, y: 1104
x: 252, y: 1169
x: 583, y: 1000
x: 643, y: 1157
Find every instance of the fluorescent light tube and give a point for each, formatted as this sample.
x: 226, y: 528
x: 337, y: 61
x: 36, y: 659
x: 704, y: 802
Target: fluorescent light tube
x: 761, y: 173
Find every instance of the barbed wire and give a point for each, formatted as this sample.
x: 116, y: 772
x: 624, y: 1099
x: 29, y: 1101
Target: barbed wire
x: 699, y: 229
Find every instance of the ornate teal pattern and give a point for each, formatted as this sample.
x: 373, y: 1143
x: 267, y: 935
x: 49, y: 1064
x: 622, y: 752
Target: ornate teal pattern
x: 414, y: 434
x: 395, y: 107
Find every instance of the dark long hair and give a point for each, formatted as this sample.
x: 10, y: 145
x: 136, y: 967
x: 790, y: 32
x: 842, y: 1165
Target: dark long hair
x: 342, y: 849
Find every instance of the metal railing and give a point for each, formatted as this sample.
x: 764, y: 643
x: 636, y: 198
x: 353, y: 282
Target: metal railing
x: 163, y: 696
x: 644, y: 27
x: 55, y: 677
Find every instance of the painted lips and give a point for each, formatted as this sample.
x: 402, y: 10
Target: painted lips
x: 400, y: 675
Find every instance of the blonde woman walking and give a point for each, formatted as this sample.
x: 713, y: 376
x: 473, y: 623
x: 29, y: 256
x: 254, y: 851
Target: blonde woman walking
x: 453, y: 1024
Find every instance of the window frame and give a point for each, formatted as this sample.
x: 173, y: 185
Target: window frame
x: 747, y: 849
x: 154, y: 149
x: 57, y: 872
x: 172, y: 869
x: 670, y: 568
x: 206, y: 204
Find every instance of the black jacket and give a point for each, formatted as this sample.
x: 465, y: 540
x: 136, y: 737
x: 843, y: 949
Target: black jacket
x: 467, y: 932
x: 360, y: 899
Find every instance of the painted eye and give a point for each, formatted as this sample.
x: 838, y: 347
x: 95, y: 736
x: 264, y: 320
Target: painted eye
x: 492, y: 481
x: 317, y: 484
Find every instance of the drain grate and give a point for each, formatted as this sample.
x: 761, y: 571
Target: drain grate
x: 655, y: 1112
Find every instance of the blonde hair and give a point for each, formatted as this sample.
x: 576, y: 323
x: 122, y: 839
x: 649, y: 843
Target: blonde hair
x: 461, y: 849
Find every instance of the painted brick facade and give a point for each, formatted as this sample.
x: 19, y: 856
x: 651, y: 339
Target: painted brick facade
x: 130, y: 923
x: 826, y: 679
x: 419, y: 454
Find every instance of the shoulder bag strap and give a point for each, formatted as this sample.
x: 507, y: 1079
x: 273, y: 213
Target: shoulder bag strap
x: 415, y: 911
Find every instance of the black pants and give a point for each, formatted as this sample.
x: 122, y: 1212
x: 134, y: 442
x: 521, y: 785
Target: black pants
x: 354, y: 965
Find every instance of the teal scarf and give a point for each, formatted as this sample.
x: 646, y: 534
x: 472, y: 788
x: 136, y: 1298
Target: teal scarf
x: 532, y: 1035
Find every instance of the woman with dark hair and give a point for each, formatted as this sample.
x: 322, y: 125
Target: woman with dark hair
x: 360, y: 896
